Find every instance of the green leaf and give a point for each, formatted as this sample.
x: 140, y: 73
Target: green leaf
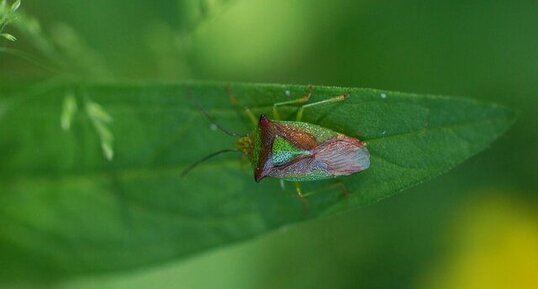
x: 70, y: 208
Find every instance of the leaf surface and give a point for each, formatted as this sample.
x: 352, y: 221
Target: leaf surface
x: 90, y: 174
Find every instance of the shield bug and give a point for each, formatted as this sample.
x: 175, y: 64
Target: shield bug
x: 296, y: 151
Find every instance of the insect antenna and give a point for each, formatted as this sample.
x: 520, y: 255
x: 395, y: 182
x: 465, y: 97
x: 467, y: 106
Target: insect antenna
x: 195, y: 164
x: 210, y: 118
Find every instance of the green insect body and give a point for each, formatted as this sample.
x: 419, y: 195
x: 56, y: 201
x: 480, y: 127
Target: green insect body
x: 295, y: 150
x: 301, y: 151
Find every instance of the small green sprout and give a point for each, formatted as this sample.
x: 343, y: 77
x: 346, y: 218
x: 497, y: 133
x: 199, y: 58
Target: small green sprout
x: 101, y: 119
x: 69, y: 109
x: 7, y: 15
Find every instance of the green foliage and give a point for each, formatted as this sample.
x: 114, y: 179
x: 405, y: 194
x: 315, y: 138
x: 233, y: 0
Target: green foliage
x: 7, y: 15
x: 71, y: 208
x: 61, y: 51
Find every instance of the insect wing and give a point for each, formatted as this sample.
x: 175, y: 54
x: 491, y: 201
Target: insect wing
x: 318, y: 153
x: 342, y: 155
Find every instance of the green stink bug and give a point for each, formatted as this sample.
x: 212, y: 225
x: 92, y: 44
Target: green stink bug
x: 297, y: 151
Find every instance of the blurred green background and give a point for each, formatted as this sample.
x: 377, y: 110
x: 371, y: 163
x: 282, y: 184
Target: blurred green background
x: 476, y: 227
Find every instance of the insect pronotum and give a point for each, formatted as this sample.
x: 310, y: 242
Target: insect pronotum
x: 296, y: 151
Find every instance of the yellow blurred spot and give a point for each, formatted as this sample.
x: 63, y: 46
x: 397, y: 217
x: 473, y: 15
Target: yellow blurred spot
x: 495, y: 246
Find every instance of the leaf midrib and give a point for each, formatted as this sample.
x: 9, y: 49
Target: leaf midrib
x: 126, y: 171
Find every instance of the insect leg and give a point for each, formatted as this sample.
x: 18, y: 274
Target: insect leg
x: 336, y: 184
x: 299, y: 190
x: 301, y: 100
x: 343, y: 187
x: 282, y: 185
x: 246, y: 110
x: 301, y: 196
x: 251, y: 116
x: 326, y: 101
